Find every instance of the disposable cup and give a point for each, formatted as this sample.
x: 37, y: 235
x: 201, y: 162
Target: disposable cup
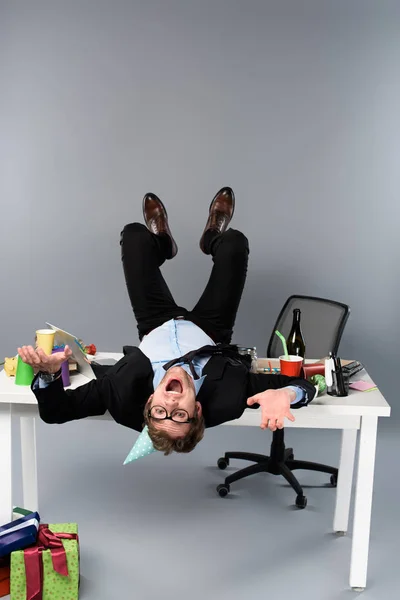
x: 24, y: 374
x: 64, y: 369
x: 291, y: 365
x: 45, y: 340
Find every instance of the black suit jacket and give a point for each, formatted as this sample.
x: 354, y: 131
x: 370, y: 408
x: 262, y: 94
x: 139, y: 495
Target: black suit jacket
x: 125, y: 387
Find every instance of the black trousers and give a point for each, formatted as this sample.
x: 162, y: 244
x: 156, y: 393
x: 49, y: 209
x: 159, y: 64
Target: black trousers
x: 143, y: 253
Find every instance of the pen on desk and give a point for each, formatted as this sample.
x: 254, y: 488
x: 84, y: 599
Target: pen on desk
x: 270, y: 366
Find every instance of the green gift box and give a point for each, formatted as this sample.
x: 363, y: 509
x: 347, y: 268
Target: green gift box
x: 57, y: 547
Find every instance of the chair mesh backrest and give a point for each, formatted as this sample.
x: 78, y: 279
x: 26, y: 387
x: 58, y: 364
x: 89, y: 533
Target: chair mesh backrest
x: 322, y: 324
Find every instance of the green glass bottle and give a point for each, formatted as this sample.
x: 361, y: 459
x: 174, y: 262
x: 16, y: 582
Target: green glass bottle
x: 295, y: 342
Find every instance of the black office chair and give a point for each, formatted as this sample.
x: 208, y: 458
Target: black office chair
x: 322, y: 324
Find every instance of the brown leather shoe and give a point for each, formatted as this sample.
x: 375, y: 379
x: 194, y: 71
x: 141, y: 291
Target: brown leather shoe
x: 156, y: 219
x: 221, y: 212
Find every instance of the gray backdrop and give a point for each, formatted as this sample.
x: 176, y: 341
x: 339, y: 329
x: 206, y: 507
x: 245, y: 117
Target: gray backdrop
x: 295, y: 104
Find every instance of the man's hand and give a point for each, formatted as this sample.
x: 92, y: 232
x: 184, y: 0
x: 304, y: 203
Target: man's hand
x: 275, y: 406
x: 41, y: 361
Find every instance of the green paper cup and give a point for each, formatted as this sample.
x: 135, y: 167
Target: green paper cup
x: 24, y: 374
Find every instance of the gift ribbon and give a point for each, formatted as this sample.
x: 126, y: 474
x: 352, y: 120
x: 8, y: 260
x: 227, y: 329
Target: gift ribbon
x: 46, y: 540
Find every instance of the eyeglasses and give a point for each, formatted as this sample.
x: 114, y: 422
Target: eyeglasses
x: 179, y: 415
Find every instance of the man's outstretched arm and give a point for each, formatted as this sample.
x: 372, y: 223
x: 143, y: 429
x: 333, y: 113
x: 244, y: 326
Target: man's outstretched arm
x: 57, y: 405
x: 276, y: 395
x: 123, y: 390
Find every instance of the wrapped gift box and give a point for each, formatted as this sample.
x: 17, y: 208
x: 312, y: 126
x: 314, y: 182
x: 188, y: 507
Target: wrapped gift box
x: 49, y: 570
x: 19, y: 512
x: 19, y: 534
x: 4, y: 576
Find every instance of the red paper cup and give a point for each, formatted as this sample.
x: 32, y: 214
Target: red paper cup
x: 291, y: 367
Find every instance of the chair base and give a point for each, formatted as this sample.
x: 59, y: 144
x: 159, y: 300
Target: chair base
x: 280, y: 462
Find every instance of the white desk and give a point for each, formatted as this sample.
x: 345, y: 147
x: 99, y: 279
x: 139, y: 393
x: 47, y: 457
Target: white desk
x: 358, y: 411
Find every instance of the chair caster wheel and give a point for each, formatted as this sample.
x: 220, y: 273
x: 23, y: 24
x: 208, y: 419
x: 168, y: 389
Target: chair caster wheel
x: 223, y: 490
x: 301, y: 501
x: 223, y: 463
x: 290, y: 456
x: 334, y: 480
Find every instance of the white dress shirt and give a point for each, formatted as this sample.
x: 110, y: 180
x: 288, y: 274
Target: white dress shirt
x: 171, y: 340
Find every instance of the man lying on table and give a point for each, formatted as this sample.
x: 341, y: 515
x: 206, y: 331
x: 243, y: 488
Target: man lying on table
x: 185, y: 375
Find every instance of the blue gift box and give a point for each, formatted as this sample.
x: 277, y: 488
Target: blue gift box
x: 19, y: 534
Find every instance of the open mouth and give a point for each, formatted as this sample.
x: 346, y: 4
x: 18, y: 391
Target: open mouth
x: 174, y: 386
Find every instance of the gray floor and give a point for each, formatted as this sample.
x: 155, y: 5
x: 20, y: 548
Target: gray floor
x: 157, y: 529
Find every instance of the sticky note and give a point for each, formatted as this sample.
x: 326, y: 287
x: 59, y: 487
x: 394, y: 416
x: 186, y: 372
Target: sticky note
x: 363, y: 386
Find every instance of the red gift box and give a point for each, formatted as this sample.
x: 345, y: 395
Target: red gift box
x: 4, y: 577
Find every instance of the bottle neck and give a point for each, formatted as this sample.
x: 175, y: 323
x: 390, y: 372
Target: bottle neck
x: 296, y: 315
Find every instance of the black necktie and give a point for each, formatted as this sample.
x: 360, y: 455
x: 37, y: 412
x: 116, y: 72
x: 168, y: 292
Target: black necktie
x: 225, y: 349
